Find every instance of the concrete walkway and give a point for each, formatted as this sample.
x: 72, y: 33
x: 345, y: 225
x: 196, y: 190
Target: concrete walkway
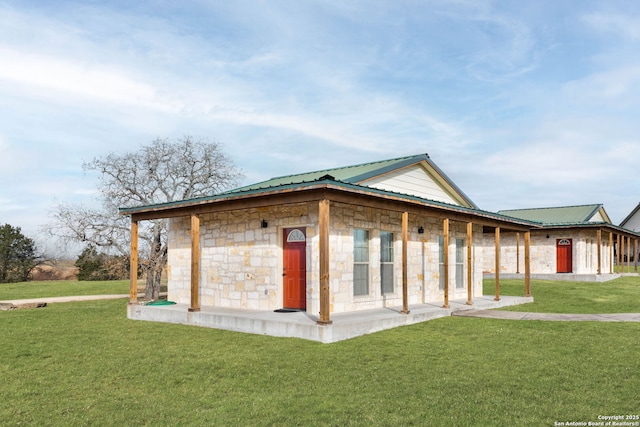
x: 490, y: 314
x: 514, y: 315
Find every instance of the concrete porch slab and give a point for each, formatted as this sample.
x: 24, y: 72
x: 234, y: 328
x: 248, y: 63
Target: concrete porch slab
x: 561, y: 277
x: 303, y: 324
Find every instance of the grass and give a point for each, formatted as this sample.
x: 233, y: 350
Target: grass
x: 57, y: 288
x: 86, y: 364
x: 624, y: 268
x: 616, y: 296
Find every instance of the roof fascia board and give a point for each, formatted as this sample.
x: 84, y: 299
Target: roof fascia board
x: 387, y: 169
x: 631, y: 215
x: 602, y: 225
x: 449, y: 182
x: 332, y: 190
x: 603, y: 213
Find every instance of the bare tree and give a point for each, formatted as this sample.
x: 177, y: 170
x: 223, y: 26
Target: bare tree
x: 161, y: 172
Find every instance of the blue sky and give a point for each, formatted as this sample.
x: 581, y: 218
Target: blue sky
x: 522, y: 104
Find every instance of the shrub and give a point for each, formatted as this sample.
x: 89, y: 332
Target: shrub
x: 94, y: 265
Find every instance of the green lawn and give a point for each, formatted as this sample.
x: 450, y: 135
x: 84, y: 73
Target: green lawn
x: 624, y: 268
x: 58, y: 288
x: 86, y: 364
x: 617, y: 296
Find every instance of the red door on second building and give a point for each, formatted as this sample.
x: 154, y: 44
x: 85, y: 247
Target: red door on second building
x: 295, y: 268
x: 564, y: 256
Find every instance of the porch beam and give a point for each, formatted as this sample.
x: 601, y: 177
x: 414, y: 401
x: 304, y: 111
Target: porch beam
x: 527, y: 264
x: 323, y: 225
x: 195, y: 263
x: 405, y: 240
x: 469, y: 263
x: 316, y: 194
x: 497, y: 238
x: 133, y: 264
x: 599, y: 243
x: 445, y: 260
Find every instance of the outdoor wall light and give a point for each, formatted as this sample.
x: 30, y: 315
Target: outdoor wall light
x: 547, y: 236
x: 263, y: 223
x: 420, y: 230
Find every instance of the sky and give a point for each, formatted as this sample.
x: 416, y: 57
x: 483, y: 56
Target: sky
x: 522, y: 104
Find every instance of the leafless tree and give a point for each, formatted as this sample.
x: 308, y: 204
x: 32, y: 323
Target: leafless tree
x: 161, y: 172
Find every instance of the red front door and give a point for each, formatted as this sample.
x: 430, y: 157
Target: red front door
x: 564, y: 255
x: 295, y: 268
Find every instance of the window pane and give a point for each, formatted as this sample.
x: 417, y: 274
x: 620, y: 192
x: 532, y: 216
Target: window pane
x: 441, y: 261
x: 459, y: 250
x: 386, y: 246
x: 459, y: 263
x: 386, y: 272
x: 361, y: 262
x: 361, y: 279
x: 386, y: 262
x: 459, y: 276
x: 361, y: 245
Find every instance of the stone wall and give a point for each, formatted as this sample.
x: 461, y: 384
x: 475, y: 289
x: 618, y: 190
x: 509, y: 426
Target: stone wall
x: 241, y: 263
x: 543, y: 252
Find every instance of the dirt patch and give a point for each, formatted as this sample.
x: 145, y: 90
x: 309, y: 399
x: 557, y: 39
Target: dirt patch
x: 10, y: 306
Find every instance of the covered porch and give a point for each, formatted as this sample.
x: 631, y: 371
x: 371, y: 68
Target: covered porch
x: 301, y: 324
x: 325, y: 194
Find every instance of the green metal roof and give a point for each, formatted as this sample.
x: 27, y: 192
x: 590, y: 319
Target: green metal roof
x: 355, y: 174
x: 324, y: 180
x: 350, y: 174
x: 557, y: 215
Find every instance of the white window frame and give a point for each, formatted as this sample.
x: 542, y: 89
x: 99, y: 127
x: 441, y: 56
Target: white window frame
x: 360, y: 263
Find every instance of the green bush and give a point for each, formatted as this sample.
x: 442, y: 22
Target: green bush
x: 94, y: 265
x: 17, y: 255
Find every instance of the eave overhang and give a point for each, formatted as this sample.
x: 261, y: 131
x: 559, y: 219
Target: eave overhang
x: 329, y: 189
x: 604, y: 226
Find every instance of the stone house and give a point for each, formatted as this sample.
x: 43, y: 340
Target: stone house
x: 390, y: 233
x: 573, y: 242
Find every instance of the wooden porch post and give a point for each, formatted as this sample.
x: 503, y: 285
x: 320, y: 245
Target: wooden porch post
x: 635, y: 255
x: 323, y: 225
x: 517, y: 253
x: 618, y: 251
x: 599, y: 240
x: 133, y: 264
x: 527, y: 264
x: 195, y: 263
x: 628, y: 254
x: 405, y: 239
x: 469, y: 263
x: 445, y: 261
x: 497, y: 298
x: 611, y: 252
x: 621, y: 256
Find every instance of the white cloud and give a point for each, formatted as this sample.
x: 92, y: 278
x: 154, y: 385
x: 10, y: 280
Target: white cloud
x: 74, y: 78
x: 307, y: 85
x: 624, y: 25
x: 7, y: 205
x: 618, y: 86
